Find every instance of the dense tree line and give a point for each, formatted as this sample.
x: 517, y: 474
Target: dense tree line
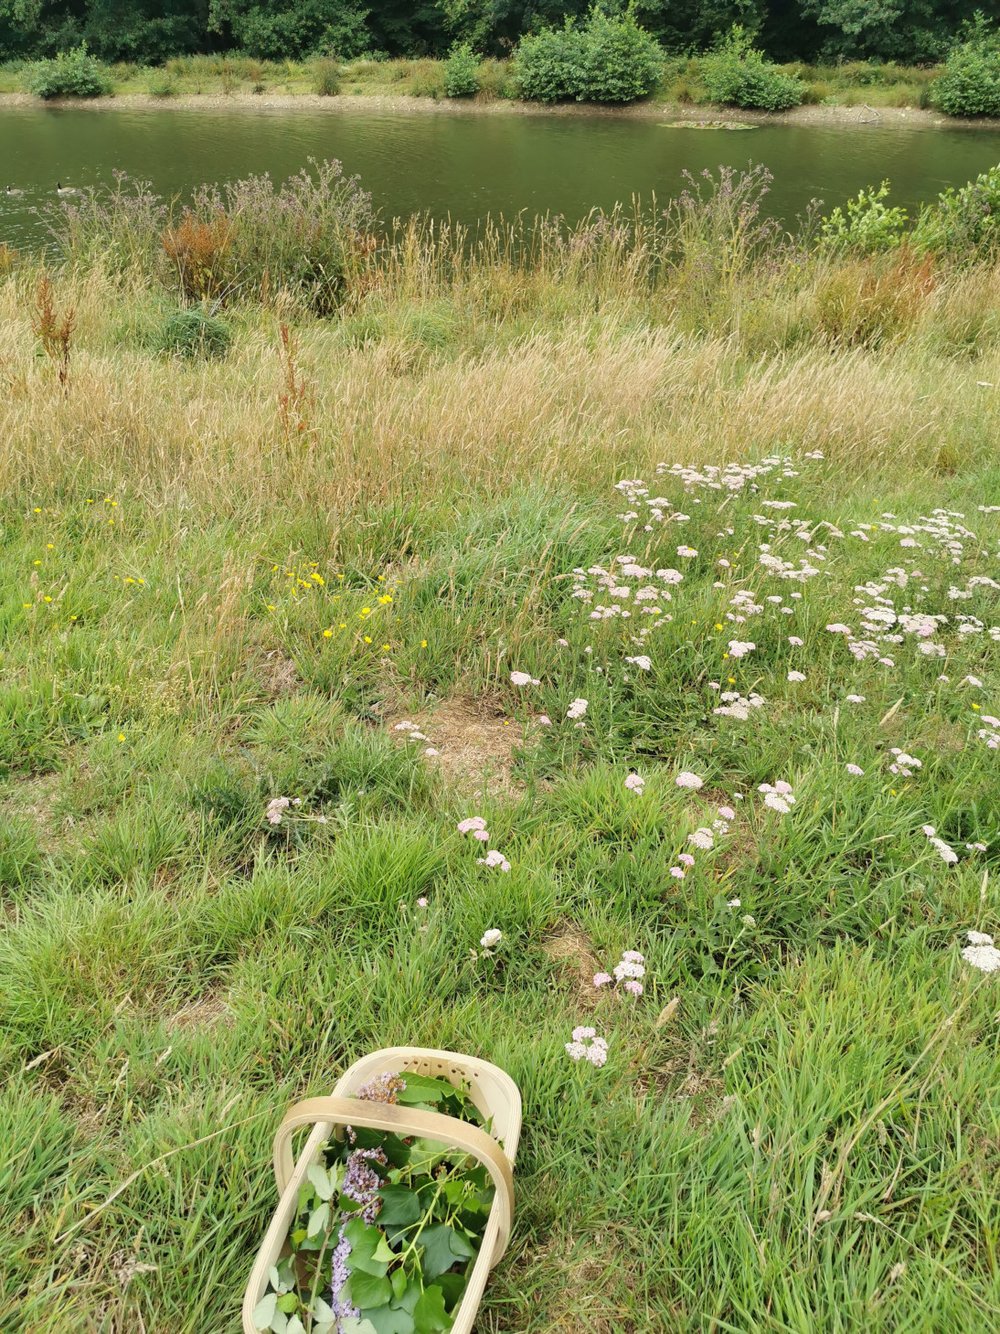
x: 151, y: 30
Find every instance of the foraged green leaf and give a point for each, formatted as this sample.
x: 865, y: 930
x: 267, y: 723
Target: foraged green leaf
x: 423, y: 1088
x: 391, y: 1320
x: 370, y: 1254
x: 320, y: 1179
x: 443, y: 1246
x: 452, y: 1285
x: 263, y: 1312
x: 400, y: 1205
x: 429, y: 1315
x: 367, y: 1290
x: 318, y: 1220
x: 322, y: 1310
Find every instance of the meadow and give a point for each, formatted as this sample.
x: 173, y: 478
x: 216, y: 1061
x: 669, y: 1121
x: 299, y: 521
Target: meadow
x: 680, y: 571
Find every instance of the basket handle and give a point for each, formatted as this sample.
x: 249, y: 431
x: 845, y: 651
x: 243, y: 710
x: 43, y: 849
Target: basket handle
x: 402, y: 1121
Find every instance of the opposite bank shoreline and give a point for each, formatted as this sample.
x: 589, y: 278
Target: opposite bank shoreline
x: 697, y: 117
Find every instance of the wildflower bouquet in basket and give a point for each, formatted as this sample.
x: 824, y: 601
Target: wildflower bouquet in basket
x: 387, y: 1226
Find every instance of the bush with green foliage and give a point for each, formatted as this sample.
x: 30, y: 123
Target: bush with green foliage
x: 963, y: 224
x: 326, y: 76
x: 622, y: 62
x: 549, y: 66
x: 193, y: 333
x: 737, y: 74
x: 970, y: 84
x: 609, y: 58
x: 461, y: 72
x: 867, y: 227
x: 69, y: 74
x: 162, y: 84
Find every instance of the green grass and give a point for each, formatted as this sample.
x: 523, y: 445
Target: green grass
x: 854, y: 83
x: 808, y: 1140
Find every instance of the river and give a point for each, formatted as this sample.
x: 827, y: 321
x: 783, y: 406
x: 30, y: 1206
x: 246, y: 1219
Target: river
x: 467, y: 166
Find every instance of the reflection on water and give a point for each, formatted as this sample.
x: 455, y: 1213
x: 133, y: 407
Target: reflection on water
x: 467, y: 166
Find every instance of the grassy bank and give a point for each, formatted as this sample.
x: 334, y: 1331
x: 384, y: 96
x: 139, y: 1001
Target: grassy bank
x: 232, y: 578
x: 851, y: 84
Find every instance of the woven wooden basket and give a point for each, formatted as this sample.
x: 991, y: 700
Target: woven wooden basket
x: 495, y: 1095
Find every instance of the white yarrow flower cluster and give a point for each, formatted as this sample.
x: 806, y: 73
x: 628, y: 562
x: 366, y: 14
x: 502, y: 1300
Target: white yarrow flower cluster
x: 587, y: 1046
x: 778, y: 797
x: 944, y: 851
x: 981, y: 953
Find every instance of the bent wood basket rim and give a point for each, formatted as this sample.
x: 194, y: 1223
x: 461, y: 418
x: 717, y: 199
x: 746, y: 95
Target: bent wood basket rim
x: 492, y: 1091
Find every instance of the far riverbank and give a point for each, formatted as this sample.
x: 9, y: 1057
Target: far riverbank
x: 704, y: 117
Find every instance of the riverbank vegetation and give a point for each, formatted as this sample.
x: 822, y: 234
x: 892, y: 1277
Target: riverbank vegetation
x: 661, y: 551
x: 837, y: 53
x: 682, y: 81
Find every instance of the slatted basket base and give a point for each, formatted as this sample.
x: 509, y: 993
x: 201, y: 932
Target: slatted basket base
x: 495, y: 1096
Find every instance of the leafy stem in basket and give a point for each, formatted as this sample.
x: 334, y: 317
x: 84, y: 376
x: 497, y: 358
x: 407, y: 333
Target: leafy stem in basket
x: 386, y: 1226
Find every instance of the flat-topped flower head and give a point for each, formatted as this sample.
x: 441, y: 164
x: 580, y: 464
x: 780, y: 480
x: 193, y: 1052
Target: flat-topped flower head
x: 472, y: 824
x: 587, y: 1046
x: 577, y: 708
x: 689, y: 780
x: 491, y: 938
x: 981, y: 953
x: 524, y: 679
x: 495, y: 860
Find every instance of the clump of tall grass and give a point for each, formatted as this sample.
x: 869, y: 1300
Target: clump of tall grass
x: 247, y: 240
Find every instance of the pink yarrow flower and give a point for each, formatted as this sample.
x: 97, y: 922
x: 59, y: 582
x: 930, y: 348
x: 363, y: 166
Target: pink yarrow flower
x: 524, y: 679
x: 494, y: 859
x: 689, y: 780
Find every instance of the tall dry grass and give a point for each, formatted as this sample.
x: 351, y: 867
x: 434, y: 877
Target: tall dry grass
x: 461, y: 364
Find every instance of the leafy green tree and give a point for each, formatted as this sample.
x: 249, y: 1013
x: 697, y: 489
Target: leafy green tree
x: 291, y: 29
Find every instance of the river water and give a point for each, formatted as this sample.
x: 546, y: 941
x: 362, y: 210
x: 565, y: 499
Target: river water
x: 468, y: 166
